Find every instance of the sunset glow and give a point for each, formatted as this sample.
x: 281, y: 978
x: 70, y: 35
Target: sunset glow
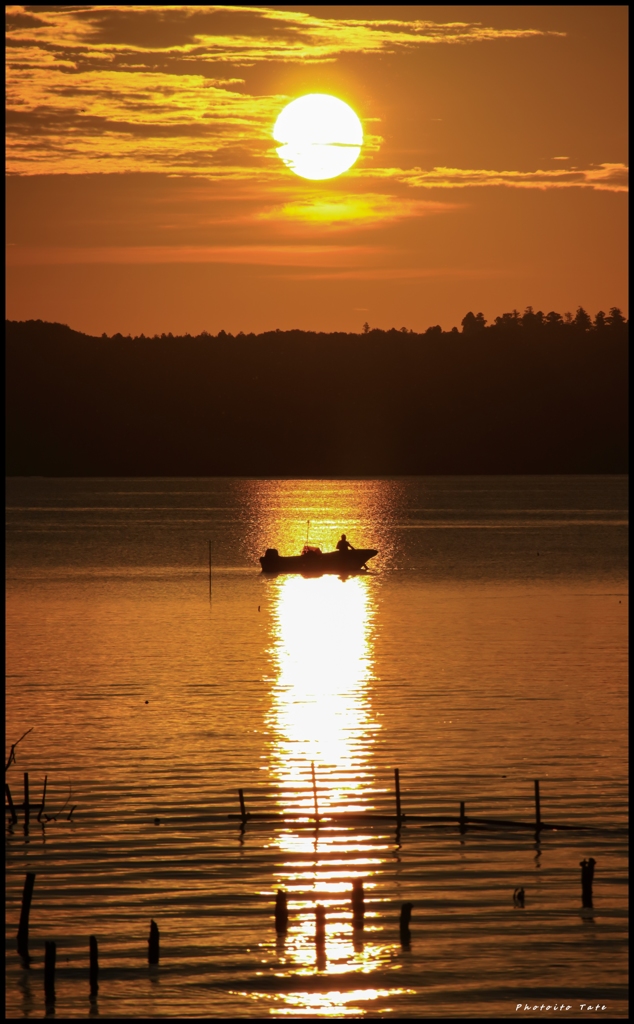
x: 337, y: 165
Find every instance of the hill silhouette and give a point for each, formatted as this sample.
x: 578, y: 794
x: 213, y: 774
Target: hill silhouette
x: 528, y: 394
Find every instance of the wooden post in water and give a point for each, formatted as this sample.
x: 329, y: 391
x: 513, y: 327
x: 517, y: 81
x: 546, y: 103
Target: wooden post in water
x: 538, y: 816
x: 94, y: 966
x: 312, y: 766
x: 397, y: 787
x: 406, y: 914
x: 153, y: 944
x: 49, y: 972
x: 26, y: 798
x: 320, y: 925
x: 358, y: 903
x: 23, y: 927
x: 281, y: 913
x: 462, y: 813
x: 41, y: 810
x: 587, y: 876
x: 243, y: 809
x: 7, y: 791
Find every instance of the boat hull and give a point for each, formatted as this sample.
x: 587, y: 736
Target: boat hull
x: 315, y: 563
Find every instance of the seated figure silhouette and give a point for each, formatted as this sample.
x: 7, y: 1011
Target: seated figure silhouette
x: 344, y: 545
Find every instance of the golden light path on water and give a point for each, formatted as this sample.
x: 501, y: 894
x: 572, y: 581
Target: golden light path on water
x: 321, y: 713
x: 321, y: 701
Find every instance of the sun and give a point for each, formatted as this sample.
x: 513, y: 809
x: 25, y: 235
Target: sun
x: 320, y: 136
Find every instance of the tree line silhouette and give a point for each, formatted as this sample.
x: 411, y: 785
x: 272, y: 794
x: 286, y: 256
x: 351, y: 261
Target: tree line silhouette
x: 536, y: 394
x: 471, y: 323
x: 532, y: 320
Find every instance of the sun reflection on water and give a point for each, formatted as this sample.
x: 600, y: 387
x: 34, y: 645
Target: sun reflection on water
x: 321, y: 709
x: 321, y: 713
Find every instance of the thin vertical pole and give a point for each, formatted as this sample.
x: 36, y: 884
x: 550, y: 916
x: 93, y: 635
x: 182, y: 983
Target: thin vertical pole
x: 281, y: 912
x: 26, y: 794
x: 538, y: 817
x: 243, y: 810
x: 358, y: 903
x: 210, y: 570
x: 94, y: 966
x: 320, y: 925
x: 406, y: 916
x: 587, y: 876
x: 462, y: 814
x: 315, y: 791
x: 397, y: 786
x: 153, y: 944
x: 41, y: 810
x: 49, y: 971
x: 7, y: 791
x: 23, y: 928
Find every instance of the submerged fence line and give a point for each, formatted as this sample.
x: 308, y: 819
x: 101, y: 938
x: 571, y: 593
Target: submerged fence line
x: 280, y: 909
x: 401, y: 818
x: 323, y: 816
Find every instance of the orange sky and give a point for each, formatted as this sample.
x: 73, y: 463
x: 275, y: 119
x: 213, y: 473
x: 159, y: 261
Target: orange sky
x: 145, y: 193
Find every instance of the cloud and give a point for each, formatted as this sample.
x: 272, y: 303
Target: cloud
x: 355, y: 210
x: 150, y: 88
x: 268, y: 255
x: 603, y: 178
x: 241, y: 35
x: 407, y: 273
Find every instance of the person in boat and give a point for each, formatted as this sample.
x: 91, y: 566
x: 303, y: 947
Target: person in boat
x: 344, y: 545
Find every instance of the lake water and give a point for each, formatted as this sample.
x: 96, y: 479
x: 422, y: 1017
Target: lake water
x: 485, y: 648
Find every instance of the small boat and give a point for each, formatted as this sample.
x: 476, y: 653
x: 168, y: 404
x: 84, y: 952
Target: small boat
x: 314, y: 561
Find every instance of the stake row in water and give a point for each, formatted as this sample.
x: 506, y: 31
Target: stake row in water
x: 50, y: 956
x: 357, y: 900
x: 462, y: 818
x: 50, y: 948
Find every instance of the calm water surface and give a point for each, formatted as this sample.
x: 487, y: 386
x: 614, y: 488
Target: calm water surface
x: 486, y: 648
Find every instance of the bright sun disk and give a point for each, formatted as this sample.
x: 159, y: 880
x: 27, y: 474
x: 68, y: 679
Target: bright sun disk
x: 320, y: 136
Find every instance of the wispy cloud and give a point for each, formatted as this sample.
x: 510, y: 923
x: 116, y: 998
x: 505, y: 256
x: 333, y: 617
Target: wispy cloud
x: 151, y: 88
x: 354, y: 210
x: 267, y: 255
x: 603, y: 177
x: 240, y: 35
x: 407, y: 273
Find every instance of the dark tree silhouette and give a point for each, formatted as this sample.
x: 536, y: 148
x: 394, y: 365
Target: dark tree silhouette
x: 531, y: 319
x: 599, y: 321
x: 472, y: 324
x: 582, y: 320
x: 512, y: 320
x: 616, y: 318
